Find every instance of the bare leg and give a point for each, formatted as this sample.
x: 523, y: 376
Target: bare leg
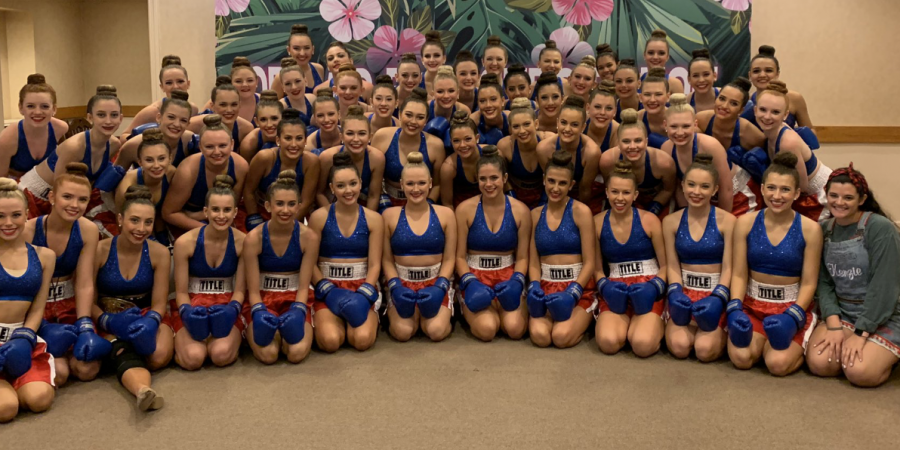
x: 483, y: 324
x: 363, y: 337
x: 570, y: 332
x: 611, y: 331
x: 330, y: 330
x: 438, y: 327
x: 402, y: 329
x: 645, y: 334
x: 189, y: 354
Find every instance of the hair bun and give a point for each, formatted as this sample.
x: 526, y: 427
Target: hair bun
x: 786, y: 159
x: 705, y: 159
x: 767, y: 50
x: 268, y: 95
x: 287, y: 177
x: 137, y: 192
x: 415, y: 158
x: 290, y: 113
x: 516, y: 68
x: 494, y: 40
x: 520, y: 103
x: 607, y: 86
x: 80, y: 169
x: 433, y: 35
x: 629, y: 115
x: 777, y: 86
x: 589, y: 60
x: 178, y: 94
x: 212, y: 120
x: 171, y: 60
x: 223, y: 181
x: 743, y: 83
x: 445, y: 71
x: 659, y: 34
x: 342, y: 159
x: 623, y: 167
x: 299, y: 28
x: 240, y: 61
x: 678, y: 99
x: 700, y: 53
x: 603, y: 48
x: 287, y: 61
x: 347, y: 67
x: 36, y: 78
x: 490, y: 78
x: 627, y: 62
x: 149, y: 136
x: 547, y: 77
x: 657, y: 72
x: 419, y: 93
x: 464, y: 55
x: 574, y: 101
x: 561, y: 158
x: 406, y: 57
x: 459, y: 117
x: 356, y: 110
x: 384, y: 79
x: 223, y: 80
x: 8, y: 185
x: 324, y: 92
x: 489, y: 151
x: 550, y: 43
x: 106, y: 89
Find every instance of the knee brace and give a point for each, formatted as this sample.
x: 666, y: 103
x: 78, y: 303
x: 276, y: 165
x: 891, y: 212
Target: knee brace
x: 123, y: 357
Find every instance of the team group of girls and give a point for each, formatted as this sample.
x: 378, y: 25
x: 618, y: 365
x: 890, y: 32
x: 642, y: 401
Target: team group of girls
x: 534, y: 209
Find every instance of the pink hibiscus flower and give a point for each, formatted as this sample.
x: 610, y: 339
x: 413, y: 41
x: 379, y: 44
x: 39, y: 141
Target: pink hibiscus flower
x: 568, y: 43
x: 389, y: 47
x: 350, y: 19
x: 225, y: 7
x: 581, y: 12
x: 736, y: 5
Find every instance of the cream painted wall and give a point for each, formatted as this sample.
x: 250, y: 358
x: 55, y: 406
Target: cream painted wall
x: 4, y: 64
x: 836, y: 54
x: 186, y: 29
x: 879, y: 163
x: 116, y: 49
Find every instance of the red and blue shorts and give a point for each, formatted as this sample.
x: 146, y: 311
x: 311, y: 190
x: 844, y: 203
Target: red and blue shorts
x: 42, y: 368
x: 764, y: 300
x: 556, y: 278
x: 278, y: 292
x: 60, y: 307
x: 698, y: 286
x: 490, y: 270
x: 348, y: 276
x: 206, y: 292
x: 417, y: 278
x: 633, y: 272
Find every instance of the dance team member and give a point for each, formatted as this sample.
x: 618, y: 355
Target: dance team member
x: 347, y: 297
x: 300, y: 47
x: 225, y: 102
x: 698, y: 242
x: 419, y: 253
x: 586, y: 154
x: 173, y: 121
x: 348, y: 88
x: 409, y: 77
x: 446, y: 95
x: 561, y: 297
x: 607, y: 61
x: 384, y: 103
x: 172, y: 77
x: 155, y: 172
x: 456, y: 169
x: 516, y: 84
x: 655, y: 98
x: 26, y: 367
x: 628, y: 87
x: 631, y: 242
x: 492, y: 254
x: 434, y: 55
x: 368, y: 160
x: 581, y: 81
x: 602, y: 126
x: 859, y: 285
x: 549, y: 98
x: 269, y: 163
x: 132, y: 274
x: 495, y: 56
x: 184, y: 202
x: 268, y: 115
x: 772, y: 108
x: 764, y: 68
x: 279, y: 257
x: 74, y: 239
x: 337, y: 56
x: 398, y: 143
x: 656, y: 55
x: 468, y: 74
x: 243, y: 77
x: 327, y: 116
x: 777, y: 252
x: 702, y: 76
x: 493, y: 124
x: 684, y: 143
x: 736, y: 134
x: 519, y: 149
x: 550, y: 60
x: 37, y: 130
x: 295, y: 95
x: 653, y: 169
x: 209, y: 297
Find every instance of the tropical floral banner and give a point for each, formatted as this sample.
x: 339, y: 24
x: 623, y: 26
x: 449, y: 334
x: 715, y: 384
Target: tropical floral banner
x: 378, y: 32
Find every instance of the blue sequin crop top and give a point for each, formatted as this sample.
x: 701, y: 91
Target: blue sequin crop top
x: 68, y: 261
x: 111, y: 283
x: 708, y: 250
x: 784, y: 259
x: 639, y: 246
x: 406, y: 243
x: 289, y: 261
x: 336, y: 245
x: 198, y: 265
x: 25, y: 286
x: 482, y: 239
x: 564, y: 240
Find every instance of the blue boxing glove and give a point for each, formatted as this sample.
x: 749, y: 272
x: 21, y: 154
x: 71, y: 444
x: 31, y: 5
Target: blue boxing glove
x: 438, y: 126
x: 117, y: 323
x: 15, y: 354
x: 431, y: 298
x: 403, y: 298
x: 561, y: 304
x: 655, y: 207
x: 735, y: 155
x: 476, y: 294
x: 332, y: 295
x: 252, y: 221
x: 740, y: 329
x: 708, y: 310
x: 679, y: 305
x: 109, y: 179
x: 140, y: 129
x: 196, y: 320
x: 59, y: 337
x: 369, y: 291
x: 355, y: 309
x: 537, y: 304
x: 656, y: 140
x: 142, y: 333
x: 509, y: 292
x: 755, y: 162
x: 490, y: 137
x: 781, y: 328
x: 265, y: 324
x: 810, y: 138
x: 223, y: 317
x: 644, y: 295
x: 292, y: 323
x: 615, y: 293
x: 90, y: 346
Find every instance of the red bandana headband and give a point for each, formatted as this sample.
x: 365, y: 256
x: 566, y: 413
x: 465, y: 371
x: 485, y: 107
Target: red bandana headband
x: 858, y: 180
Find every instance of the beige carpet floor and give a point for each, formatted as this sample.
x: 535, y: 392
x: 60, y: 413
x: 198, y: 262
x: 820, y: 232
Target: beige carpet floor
x: 462, y: 393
